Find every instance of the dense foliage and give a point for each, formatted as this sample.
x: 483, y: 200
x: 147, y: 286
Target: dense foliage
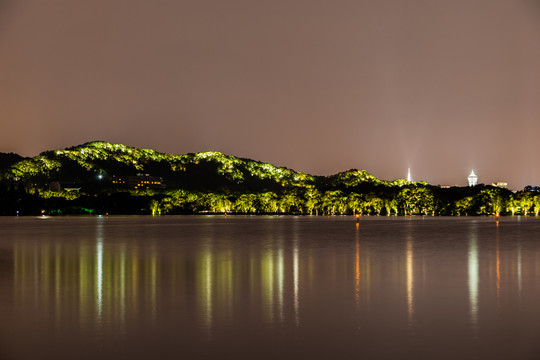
x: 80, y: 180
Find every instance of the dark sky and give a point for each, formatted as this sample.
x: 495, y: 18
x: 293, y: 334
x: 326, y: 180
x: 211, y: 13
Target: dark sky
x: 442, y: 87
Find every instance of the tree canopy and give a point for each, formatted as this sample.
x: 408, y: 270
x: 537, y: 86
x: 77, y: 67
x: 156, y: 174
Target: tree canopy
x: 83, y: 177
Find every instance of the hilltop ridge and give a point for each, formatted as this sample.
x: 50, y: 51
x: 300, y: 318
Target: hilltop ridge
x: 101, y: 177
x: 203, y: 170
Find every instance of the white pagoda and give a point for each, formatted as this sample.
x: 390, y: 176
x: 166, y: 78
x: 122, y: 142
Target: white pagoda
x: 473, y: 179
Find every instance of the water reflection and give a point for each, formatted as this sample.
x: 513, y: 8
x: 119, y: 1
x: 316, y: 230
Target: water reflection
x: 99, y: 272
x: 519, y: 270
x: 362, y: 271
x: 205, y: 286
x: 114, y: 281
x: 207, y: 281
x: 410, y: 279
x: 473, y: 272
x: 296, y: 286
x: 357, y: 267
x: 268, y: 266
x: 498, y: 265
x: 280, y: 271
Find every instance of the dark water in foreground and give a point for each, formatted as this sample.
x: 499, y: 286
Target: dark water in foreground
x: 269, y: 287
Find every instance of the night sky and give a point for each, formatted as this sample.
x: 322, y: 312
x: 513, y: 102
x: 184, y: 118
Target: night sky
x: 441, y: 87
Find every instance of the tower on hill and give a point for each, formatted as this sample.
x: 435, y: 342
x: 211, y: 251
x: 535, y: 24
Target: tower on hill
x: 473, y: 179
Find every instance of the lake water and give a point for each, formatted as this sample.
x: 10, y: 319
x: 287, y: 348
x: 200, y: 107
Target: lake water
x: 196, y: 287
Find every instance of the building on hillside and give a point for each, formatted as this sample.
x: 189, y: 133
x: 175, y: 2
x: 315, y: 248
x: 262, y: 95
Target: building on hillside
x: 500, y: 184
x: 118, y: 180
x: 140, y: 181
x: 145, y: 181
x: 473, y: 179
x: 57, y: 186
x: 72, y: 189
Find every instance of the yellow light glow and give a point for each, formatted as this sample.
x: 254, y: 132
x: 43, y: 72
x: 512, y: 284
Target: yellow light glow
x: 410, y: 280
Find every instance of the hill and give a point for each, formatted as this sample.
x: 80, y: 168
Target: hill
x: 104, y: 178
x: 85, y: 164
x: 8, y: 159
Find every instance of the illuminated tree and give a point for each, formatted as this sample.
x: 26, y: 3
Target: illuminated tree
x: 245, y: 203
x: 217, y: 203
x: 155, y: 207
x: 334, y: 201
x: 167, y: 205
x: 406, y: 201
x: 391, y: 204
x: 417, y: 200
x: 312, y: 199
x: 377, y: 203
x: 512, y: 204
x: 366, y: 204
x: 267, y: 202
x: 497, y: 201
x: 536, y: 203
x: 525, y: 201
x: 464, y: 206
x: 289, y: 203
x: 355, y: 202
x: 491, y: 201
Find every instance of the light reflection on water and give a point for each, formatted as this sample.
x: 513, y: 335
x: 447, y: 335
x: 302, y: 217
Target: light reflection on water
x: 269, y: 286
x: 473, y: 271
x: 410, y: 279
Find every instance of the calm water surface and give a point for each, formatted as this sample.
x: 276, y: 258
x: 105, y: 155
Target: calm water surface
x: 269, y: 287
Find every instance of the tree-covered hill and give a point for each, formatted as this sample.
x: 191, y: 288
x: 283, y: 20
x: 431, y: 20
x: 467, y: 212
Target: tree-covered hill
x: 100, y: 177
x: 99, y: 161
x: 8, y: 159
